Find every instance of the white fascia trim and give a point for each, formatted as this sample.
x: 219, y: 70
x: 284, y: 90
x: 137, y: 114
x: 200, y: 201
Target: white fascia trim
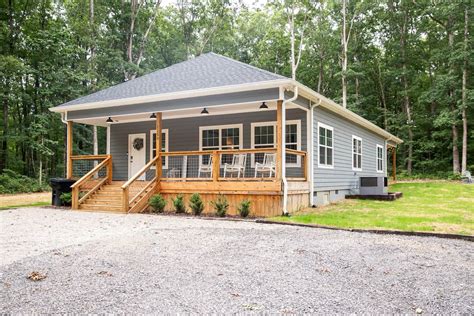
x: 336, y: 108
x: 174, y: 95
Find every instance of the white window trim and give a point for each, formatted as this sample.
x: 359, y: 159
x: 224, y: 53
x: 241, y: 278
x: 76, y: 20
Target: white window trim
x: 377, y: 158
x: 361, y: 152
x: 274, y: 124
x: 167, y: 143
x: 325, y: 166
x: 220, y: 127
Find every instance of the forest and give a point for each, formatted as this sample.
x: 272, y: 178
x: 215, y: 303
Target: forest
x: 405, y: 65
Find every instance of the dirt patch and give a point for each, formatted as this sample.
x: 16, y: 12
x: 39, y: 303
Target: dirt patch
x: 7, y: 200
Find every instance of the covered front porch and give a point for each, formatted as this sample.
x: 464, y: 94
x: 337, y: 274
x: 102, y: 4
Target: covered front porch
x: 254, y: 150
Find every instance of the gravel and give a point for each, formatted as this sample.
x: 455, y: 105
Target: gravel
x: 112, y: 263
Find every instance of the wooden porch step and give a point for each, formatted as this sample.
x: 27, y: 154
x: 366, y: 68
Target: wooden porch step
x: 100, y: 207
x: 103, y: 201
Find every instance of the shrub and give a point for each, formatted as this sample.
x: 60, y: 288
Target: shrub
x: 196, y: 204
x: 178, y: 204
x: 12, y: 182
x: 244, y: 208
x: 158, y: 203
x: 66, y: 198
x: 220, y: 205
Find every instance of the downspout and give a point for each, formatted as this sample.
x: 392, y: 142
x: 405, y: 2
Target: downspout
x: 283, y: 152
x: 311, y: 146
x: 64, y: 117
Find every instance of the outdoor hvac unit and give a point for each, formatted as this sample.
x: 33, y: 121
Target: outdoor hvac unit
x: 373, y: 186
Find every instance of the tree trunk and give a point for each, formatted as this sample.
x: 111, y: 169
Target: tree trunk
x: 406, y: 98
x: 4, y: 156
x: 464, y: 92
x: 134, y: 5
x: 4, y: 145
x: 321, y: 71
x: 454, y: 127
x: 382, y: 95
x: 344, y: 54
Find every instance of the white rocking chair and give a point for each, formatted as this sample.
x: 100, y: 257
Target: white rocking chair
x: 268, y: 165
x: 237, y: 165
x: 205, y: 167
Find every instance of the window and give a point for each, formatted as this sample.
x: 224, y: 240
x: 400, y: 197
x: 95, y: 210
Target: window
x: 356, y: 153
x: 379, y: 158
x: 164, y: 146
x: 264, y: 136
x: 326, y: 146
x: 219, y: 138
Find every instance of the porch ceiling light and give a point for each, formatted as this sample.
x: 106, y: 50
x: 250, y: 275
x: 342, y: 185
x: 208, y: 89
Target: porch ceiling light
x: 263, y: 106
x: 204, y: 111
x: 109, y: 120
x: 153, y: 115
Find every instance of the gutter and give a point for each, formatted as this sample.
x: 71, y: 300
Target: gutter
x: 283, y: 152
x: 64, y: 117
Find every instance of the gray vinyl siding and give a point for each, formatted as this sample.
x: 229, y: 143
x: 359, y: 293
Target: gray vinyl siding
x: 342, y: 176
x: 183, y: 135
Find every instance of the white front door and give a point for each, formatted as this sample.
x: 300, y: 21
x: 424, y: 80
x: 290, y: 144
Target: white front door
x: 136, y: 154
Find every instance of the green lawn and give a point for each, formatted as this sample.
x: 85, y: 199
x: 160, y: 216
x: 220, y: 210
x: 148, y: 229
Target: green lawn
x: 445, y: 207
x: 24, y: 205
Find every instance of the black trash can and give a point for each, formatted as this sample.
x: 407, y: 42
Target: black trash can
x: 60, y: 186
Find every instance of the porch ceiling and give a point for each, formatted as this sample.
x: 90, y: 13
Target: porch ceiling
x: 194, y: 112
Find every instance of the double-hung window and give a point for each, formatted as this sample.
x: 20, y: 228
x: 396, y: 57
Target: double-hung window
x: 220, y: 138
x: 263, y: 135
x: 326, y: 146
x: 356, y: 153
x: 164, y: 146
x: 379, y: 158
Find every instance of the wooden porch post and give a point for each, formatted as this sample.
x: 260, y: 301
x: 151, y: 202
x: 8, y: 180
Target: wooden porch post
x: 69, y: 150
x: 279, y: 139
x: 394, y: 164
x: 159, y: 165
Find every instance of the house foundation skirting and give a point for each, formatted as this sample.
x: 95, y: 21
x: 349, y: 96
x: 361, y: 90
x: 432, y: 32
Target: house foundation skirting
x: 263, y: 204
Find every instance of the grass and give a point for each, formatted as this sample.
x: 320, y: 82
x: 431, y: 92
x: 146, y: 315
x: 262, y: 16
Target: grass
x: 8, y: 201
x: 444, y: 207
x: 2, y: 208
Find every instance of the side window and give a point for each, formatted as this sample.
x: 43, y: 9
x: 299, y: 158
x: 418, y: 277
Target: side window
x: 356, y: 153
x: 379, y: 160
x: 325, y: 146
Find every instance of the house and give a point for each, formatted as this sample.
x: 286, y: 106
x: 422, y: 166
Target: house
x: 213, y: 125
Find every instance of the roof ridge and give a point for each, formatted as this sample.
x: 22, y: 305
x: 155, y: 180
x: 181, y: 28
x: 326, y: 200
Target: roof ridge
x: 246, y: 65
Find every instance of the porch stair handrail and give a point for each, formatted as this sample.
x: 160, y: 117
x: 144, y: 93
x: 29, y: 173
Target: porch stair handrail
x: 127, y: 203
x: 107, y: 162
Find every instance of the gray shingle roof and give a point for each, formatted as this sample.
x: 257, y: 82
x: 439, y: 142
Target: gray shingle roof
x: 206, y: 71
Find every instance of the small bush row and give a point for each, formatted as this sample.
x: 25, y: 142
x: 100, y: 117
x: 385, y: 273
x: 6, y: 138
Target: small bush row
x: 13, y: 182
x: 220, y: 205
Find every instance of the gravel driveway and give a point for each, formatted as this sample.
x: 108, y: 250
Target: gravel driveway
x: 98, y: 262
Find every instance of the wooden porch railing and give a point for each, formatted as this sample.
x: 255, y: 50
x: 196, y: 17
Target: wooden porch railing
x: 132, y: 201
x: 92, y: 180
x: 184, y: 165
